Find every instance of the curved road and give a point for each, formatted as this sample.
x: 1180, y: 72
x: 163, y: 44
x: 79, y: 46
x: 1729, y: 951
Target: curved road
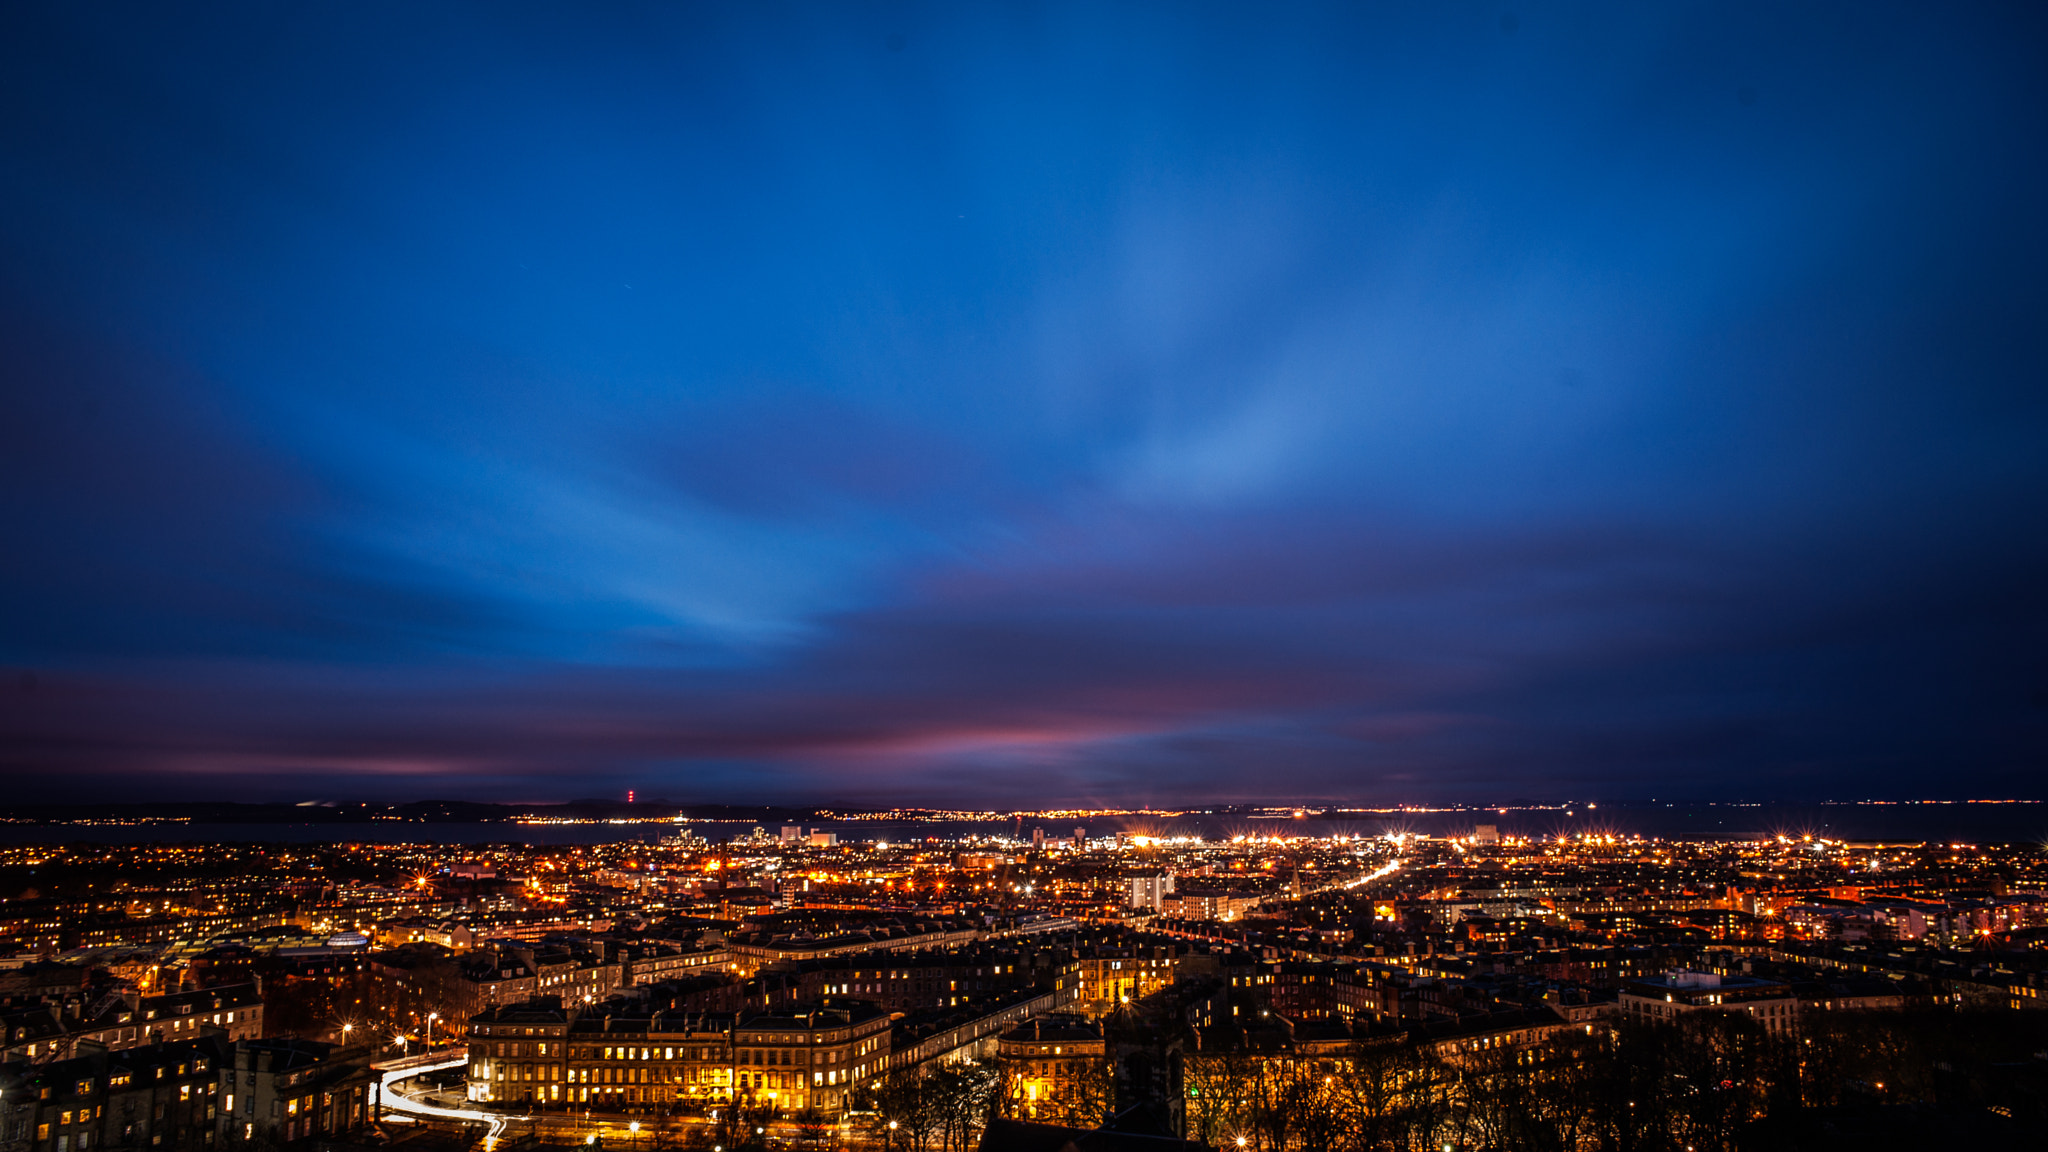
x: 398, y: 1101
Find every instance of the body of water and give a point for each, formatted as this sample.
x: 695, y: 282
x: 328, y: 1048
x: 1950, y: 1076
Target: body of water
x: 1976, y: 823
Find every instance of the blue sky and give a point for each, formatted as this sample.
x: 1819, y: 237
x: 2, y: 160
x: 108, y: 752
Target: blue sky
x: 1017, y: 403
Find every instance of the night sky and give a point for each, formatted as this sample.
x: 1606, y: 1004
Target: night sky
x: 1020, y: 404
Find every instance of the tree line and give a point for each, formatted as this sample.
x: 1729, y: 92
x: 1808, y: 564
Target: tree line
x: 1700, y: 1083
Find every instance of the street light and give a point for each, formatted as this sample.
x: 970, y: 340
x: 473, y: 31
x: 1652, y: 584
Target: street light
x: 431, y: 1017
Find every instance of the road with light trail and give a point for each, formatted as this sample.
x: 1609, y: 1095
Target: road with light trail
x: 398, y: 1101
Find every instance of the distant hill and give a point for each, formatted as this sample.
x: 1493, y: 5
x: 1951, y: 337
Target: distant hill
x: 423, y: 811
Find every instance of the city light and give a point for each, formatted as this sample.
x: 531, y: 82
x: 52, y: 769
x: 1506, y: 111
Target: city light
x: 1317, y: 930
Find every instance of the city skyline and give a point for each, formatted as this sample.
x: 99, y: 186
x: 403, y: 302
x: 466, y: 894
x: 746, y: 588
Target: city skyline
x: 765, y: 988
x: 1012, y: 408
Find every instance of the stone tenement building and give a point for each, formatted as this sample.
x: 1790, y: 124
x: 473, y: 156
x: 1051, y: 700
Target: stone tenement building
x: 1676, y: 992
x: 936, y: 978
x: 210, y: 1092
x: 808, y: 1056
x: 44, y: 1032
x: 1055, y: 1061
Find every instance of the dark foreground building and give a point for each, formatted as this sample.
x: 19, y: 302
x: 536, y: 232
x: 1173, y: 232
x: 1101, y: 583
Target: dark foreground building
x: 195, y: 1094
